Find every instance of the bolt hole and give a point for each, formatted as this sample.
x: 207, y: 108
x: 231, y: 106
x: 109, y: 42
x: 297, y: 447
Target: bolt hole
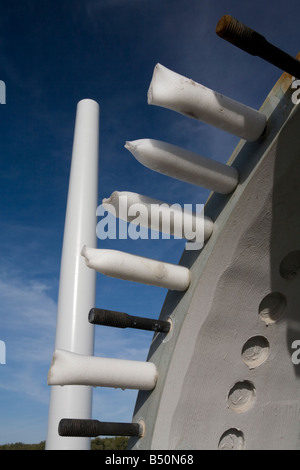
x: 290, y: 266
x: 256, y: 351
x: 272, y: 308
x: 233, y: 439
x: 241, y: 397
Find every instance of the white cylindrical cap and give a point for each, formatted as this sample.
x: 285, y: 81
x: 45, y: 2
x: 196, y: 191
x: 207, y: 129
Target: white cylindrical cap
x: 160, y: 216
x: 135, y: 268
x: 68, y: 368
x: 184, y: 165
x: 178, y: 93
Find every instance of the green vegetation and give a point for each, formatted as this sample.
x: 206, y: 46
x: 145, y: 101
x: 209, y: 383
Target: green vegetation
x: 21, y: 446
x: 106, y: 443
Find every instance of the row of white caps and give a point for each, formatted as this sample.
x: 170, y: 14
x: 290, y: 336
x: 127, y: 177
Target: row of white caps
x: 68, y: 368
x: 173, y: 91
x: 178, y: 93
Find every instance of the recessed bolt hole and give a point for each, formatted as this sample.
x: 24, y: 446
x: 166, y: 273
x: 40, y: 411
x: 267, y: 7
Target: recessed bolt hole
x: 272, y: 308
x: 241, y: 397
x: 256, y: 351
x: 233, y: 439
x: 290, y: 266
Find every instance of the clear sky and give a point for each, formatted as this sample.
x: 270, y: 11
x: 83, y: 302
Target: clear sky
x: 53, y: 54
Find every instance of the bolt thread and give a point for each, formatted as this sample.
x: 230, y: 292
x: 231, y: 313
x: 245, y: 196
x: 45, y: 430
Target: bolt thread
x: 78, y: 428
x: 108, y: 318
x: 103, y: 317
x: 93, y: 428
x: 239, y: 34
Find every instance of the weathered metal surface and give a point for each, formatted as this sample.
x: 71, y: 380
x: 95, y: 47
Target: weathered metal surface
x: 231, y: 304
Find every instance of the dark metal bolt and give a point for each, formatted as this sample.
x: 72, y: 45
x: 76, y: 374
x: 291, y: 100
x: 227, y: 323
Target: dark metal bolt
x: 93, y: 428
x: 245, y: 38
x: 98, y: 316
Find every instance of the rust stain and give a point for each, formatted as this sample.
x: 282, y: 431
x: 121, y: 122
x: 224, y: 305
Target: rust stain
x: 286, y: 79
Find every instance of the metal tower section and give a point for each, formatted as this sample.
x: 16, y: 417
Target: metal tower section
x: 219, y: 373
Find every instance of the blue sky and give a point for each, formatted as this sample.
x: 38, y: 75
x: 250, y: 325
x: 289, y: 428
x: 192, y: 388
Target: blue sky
x: 53, y: 54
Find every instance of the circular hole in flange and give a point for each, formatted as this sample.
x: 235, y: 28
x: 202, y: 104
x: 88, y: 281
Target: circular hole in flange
x: 233, y: 439
x: 272, y: 307
x: 290, y: 266
x: 256, y: 351
x: 241, y: 397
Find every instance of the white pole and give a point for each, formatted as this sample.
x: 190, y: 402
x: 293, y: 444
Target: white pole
x: 173, y: 91
x: 184, y: 165
x: 126, y: 266
x: 76, y: 369
x: 77, y: 286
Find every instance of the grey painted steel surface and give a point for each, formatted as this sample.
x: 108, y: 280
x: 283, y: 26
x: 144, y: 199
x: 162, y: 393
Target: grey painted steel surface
x: 226, y: 377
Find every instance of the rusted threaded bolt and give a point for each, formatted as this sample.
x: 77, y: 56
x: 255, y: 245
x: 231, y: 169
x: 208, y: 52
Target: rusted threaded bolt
x: 245, y: 38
